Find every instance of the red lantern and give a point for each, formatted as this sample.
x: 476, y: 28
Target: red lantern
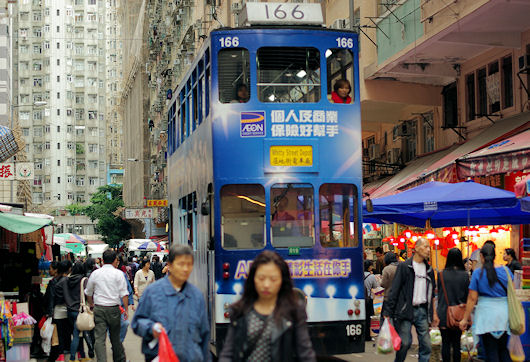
x: 446, y: 231
x: 408, y: 233
x: 430, y: 234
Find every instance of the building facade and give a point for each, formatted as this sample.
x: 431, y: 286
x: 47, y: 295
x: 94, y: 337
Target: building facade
x: 66, y: 53
x: 435, y: 75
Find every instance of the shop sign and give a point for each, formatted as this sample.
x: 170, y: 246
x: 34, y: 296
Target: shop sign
x: 156, y: 203
x: 139, y: 213
x: 514, y: 177
x: 494, y: 164
x: 7, y: 171
x: 491, y: 180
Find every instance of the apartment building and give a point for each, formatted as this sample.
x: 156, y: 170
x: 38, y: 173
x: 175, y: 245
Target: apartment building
x: 446, y: 78
x: 63, y: 63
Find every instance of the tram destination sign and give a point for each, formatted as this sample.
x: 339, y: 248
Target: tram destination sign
x: 256, y: 13
x: 291, y: 155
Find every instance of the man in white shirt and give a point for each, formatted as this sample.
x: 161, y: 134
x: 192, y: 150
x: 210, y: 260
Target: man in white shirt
x: 106, y: 288
x: 411, y: 301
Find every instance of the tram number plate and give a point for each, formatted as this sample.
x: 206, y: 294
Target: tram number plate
x: 354, y: 330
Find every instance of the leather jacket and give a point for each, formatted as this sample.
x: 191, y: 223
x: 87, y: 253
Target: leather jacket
x: 290, y: 340
x: 399, y: 304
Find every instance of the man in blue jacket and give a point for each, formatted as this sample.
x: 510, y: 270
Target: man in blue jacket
x: 411, y: 301
x: 175, y: 306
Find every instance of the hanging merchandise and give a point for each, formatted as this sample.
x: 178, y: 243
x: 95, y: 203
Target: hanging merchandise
x: 6, y: 324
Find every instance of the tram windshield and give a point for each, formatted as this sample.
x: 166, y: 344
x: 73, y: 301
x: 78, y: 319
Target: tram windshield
x: 338, y: 215
x: 234, y: 75
x: 288, y: 74
x: 292, y: 221
x: 243, y: 216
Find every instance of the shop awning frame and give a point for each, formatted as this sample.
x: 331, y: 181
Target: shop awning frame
x: 20, y: 224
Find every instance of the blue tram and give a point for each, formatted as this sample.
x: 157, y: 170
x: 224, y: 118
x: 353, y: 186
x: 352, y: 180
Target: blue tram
x: 260, y: 157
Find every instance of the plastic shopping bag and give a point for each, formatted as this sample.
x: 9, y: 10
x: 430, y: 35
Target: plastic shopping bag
x: 46, y: 333
x: 165, y: 349
x: 384, y: 340
x: 436, y: 337
x: 516, y: 349
x: 396, y: 339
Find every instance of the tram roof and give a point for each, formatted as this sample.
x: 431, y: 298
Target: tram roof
x: 284, y: 27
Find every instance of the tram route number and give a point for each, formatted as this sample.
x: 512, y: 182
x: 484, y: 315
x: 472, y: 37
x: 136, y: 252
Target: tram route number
x: 344, y: 42
x: 354, y: 330
x: 229, y: 41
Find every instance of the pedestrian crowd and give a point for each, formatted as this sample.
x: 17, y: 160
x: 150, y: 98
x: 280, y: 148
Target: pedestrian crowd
x: 471, y: 291
x: 111, y: 284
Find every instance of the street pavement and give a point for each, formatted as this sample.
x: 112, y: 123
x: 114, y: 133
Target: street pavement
x: 133, y: 343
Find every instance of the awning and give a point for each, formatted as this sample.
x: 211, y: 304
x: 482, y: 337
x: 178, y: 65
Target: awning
x: 509, y: 155
x: 22, y: 224
x: 441, y: 165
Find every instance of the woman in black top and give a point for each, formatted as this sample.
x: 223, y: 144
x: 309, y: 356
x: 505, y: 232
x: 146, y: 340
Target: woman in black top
x: 268, y: 323
x: 511, y: 260
x: 456, y: 281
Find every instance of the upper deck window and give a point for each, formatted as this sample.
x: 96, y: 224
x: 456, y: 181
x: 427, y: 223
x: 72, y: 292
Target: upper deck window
x: 292, y: 216
x: 288, y: 74
x: 338, y: 215
x: 234, y: 75
x: 243, y: 216
x: 340, y: 75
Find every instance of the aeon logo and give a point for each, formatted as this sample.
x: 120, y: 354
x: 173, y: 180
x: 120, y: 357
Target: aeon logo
x: 252, y: 124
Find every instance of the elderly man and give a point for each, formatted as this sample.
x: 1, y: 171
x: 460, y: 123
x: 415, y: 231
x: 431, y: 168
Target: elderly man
x: 411, y: 301
x: 106, y: 290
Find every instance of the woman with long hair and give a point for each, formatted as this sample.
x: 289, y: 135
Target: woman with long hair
x: 72, y: 296
x: 144, y: 276
x: 488, y: 291
x: 268, y: 307
x: 453, y: 283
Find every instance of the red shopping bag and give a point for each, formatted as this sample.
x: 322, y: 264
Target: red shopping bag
x: 396, y: 339
x: 165, y: 349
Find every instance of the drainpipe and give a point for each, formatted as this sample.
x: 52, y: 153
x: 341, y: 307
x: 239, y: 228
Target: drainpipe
x: 352, y: 13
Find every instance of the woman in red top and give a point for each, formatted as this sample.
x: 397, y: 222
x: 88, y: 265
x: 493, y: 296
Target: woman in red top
x: 341, y: 89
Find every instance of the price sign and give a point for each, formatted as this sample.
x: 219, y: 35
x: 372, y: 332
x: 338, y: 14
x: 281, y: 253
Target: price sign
x: 255, y: 13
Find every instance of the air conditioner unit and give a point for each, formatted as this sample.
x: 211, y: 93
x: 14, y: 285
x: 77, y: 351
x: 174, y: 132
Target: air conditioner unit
x: 176, y: 62
x: 524, y: 62
x: 236, y: 7
x: 373, y: 152
x: 178, y: 18
x: 181, y: 11
x: 341, y: 24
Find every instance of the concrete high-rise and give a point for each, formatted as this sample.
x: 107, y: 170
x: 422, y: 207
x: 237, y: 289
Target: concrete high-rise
x: 65, y: 95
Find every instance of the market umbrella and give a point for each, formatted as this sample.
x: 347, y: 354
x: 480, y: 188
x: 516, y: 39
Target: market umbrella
x: 71, y: 238
x: 150, y: 246
x: 444, y: 204
x: 76, y: 248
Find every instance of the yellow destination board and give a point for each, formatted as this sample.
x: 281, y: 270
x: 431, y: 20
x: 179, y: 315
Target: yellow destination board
x: 291, y: 156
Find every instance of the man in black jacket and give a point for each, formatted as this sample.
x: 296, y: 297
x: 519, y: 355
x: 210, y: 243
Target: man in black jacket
x: 411, y: 301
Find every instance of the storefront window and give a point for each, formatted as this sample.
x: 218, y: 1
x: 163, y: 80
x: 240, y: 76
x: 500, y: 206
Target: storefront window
x: 292, y: 220
x: 338, y: 215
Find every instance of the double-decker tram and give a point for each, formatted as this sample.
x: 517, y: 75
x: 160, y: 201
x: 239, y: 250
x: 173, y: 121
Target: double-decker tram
x: 261, y: 156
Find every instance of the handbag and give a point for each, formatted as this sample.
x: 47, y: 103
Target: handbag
x: 455, y: 313
x: 85, y: 318
x: 516, y: 316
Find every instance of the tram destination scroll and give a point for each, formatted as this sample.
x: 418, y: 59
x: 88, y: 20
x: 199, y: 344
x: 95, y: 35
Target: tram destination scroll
x: 258, y: 13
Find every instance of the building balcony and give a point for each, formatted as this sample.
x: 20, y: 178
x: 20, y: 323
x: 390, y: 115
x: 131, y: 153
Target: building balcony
x: 425, y: 41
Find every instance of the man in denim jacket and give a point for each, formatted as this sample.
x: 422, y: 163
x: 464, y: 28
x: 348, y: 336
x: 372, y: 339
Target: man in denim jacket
x: 176, y: 306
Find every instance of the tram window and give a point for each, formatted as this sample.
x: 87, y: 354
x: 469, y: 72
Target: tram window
x: 234, y: 75
x: 340, y: 75
x: 243, y: 216
x: 288, y: 74
x: 195, y: 98
x: 338, y: 215
x: 207, y: 92
x: 292, y: 220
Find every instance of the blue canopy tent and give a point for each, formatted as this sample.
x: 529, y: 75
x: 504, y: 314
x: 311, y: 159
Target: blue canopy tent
x: 445, y: 204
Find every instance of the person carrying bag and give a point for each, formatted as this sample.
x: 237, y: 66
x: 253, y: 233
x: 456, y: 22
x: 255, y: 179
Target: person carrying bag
x: 85, y: 318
